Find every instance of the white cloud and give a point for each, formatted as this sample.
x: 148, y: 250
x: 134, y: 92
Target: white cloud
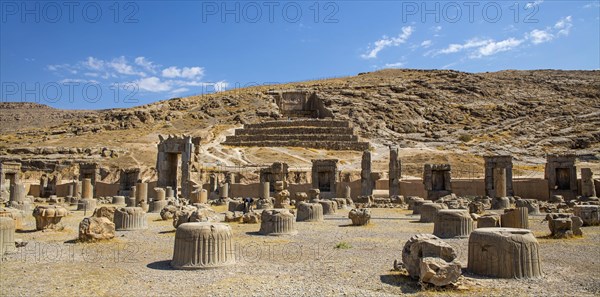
x: 436, y: 29
x: 394, y: 65
x: 94, y: 64
x: 121, y: 66
x: 533, y: 4
x: 180, y: 90
x: 79, y: 81
x: 152, y: 84
x: 540, y: 36
x: 146, y: 64
x: 497, y: 47
x: 564, y: 26
x: 379, y: 45
x: 426, y: 43
x: 471, y: 43
x: 185, y: 72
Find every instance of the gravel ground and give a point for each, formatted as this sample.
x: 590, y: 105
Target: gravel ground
x: 136, y: 263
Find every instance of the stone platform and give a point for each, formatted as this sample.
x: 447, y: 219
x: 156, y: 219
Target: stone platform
x: 310, y: 133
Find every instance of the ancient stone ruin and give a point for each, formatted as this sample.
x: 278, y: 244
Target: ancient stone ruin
x: 395, y: 172
x: 561, y: 175
x: 325, y: 176
x: 305, y: 123
x: 590, y: 214
x: 91, y: 172
x: 309, y: 212
x: 587, y: 183
x: 128, y: 178
x: 366, y: 183
x: 504, y: 253
x: 450, y: 223
x: 9, y: 176
x: 96, y: 228
x: 430, y: 260
x: 360, y: 216
x: 437, y: 180
x: 277, y: 222
x: 202, y: 245
x: 564, y: 225
x: 49, y: 216
x: 130, y: 218
x: 175, y: 156
x: 7, y: 235
x: 498, y: 176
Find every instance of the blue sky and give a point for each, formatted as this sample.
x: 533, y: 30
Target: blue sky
x: 105, y: 54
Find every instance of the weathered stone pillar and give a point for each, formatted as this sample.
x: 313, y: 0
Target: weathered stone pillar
x: 587, y: 183
x: 500, y: 182
x: 213, y: 182
x: 265, y: 190
x: 71, y: 190
x: 365, y: 174
x: 131, y: 200
x: 203, y: 196
x: 159, y: 200
x: 224, y: 191
x: 142, y: 192
x: 203, y: 245
x: 347, y: 192
x: 170, y: 193
x: 395, y: 172
x: 87, y: 189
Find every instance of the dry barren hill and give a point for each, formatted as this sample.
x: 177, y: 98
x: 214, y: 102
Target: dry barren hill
x: 434, y: 115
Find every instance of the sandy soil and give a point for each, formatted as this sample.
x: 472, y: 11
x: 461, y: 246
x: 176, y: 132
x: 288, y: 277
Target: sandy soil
x: 136, y: 263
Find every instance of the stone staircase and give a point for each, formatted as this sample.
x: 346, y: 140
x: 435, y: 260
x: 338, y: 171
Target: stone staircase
x: 309, y: 133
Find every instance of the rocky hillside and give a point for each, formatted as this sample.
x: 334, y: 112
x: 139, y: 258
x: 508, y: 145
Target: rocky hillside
x: 524, y: 113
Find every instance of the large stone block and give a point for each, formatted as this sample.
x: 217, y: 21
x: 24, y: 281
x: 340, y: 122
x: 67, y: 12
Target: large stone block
x: 277, y: 222
x: 309, y: 212
x: 452, y: 223
x: 590, y: 214
x: 429, y: 210
x: 130, y: 218
x: 504, y: 253
x: 423, y: 246
x: 96, y: 228
x: 202, y: 245
x: 49, y: 216
x: 7, y: 235
x: 515, y: 218
x: 360, y: 217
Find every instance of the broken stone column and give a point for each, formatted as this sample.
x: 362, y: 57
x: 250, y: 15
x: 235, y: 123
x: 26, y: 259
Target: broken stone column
x: 87, y: 189
x: 500, y: 182
x: 86, y: 204
x: 532, y: 205
x: 329, y: 207
x: 95, y: 229
x: 422, y: 246
x: 130, y: 218
x: 14, y: 214
x: 277, y: 222
x: 504, y: 253
x: 170, y: 193
x: 309, y: 212
x: 71, y: 190
x: 488, y: 221
x: 49, y: 216
x: 500, y: 203
x: 452, y: 223
x: 587, y: 183
x: 202, y: 245
x: 141, y: 193
x: 119, y: 200
x: 282, y: 199
x: 265, y: 190
x: 366, y: 185
x: 360, y: 217
x: 159, y: 200
x: 347, y: 192
x: 429, y: 210
x: 590, y: 214
x: 313, y: 194
x: 18, y: 197
x: 515, y: 218
x: 7, y: 235
x: 224, y: 191
x: 564, y: 225
x: 395, y: 172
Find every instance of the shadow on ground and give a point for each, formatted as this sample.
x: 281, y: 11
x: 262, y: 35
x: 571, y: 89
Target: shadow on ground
x: 160, y: 265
